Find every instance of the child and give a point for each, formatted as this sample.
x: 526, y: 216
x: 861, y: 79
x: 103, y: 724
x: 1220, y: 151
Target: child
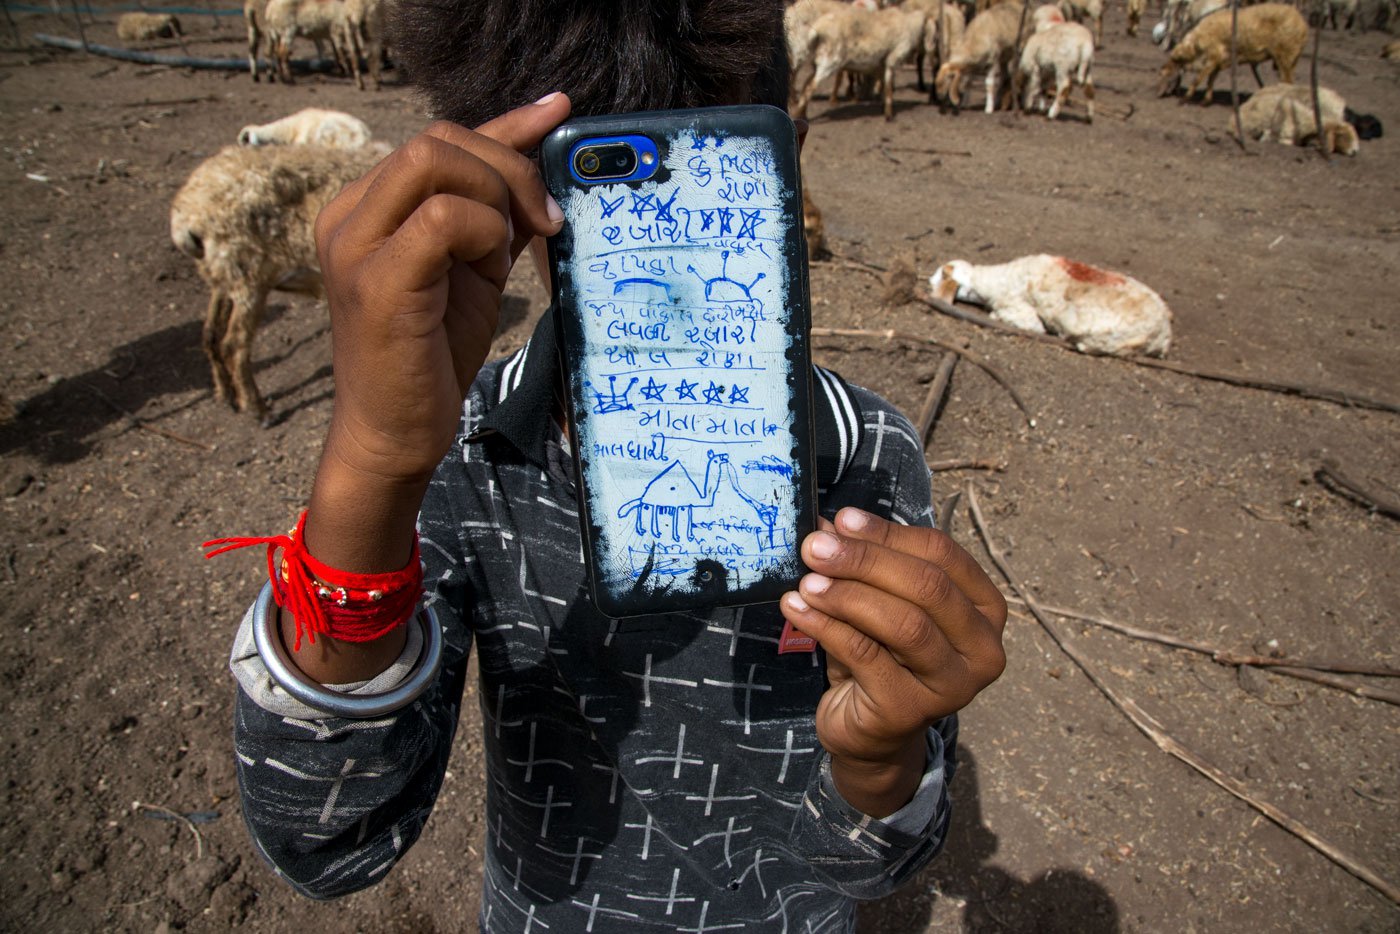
x: 673, y: 772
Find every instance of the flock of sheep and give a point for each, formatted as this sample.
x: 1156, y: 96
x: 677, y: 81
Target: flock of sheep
x: 246, y: 214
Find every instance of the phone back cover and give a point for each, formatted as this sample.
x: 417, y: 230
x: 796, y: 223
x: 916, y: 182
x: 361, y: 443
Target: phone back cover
x: 682, y: 304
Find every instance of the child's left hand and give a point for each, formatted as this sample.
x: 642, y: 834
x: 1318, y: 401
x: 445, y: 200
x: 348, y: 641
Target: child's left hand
x: 912, y: 628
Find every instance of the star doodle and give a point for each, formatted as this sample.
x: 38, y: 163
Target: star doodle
x: 652, y: 390
x: 686, y: 390
x: 737, y: 395
x: 714, y: 394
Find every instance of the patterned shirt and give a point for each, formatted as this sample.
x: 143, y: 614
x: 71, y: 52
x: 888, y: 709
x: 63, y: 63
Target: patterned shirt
x: 651, y: 773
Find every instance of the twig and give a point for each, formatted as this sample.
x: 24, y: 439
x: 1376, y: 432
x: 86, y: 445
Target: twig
x: 176, y: 815
x: 947, y: 511
x: 1321, y: 393
x: 1330, y: 475
x: 970, y: 357
x: 1154, y: 730
x: 936, y: 391
x: 201, y: 99
x: 1223, y: 656
x: 965, y: 464
x: 136, y: 421
x: 930, y: 152
x: 1341, y: 684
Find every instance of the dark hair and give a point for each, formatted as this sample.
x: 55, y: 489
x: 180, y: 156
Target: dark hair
x: 475, y: 59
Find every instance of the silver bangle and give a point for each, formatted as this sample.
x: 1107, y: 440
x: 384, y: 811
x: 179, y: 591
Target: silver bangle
x: 268, y: 636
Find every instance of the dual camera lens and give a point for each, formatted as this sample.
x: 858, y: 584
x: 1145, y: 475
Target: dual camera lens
x: 607, y: 160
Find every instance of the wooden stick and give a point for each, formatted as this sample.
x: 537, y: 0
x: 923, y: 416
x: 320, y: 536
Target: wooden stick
x: 1341, y: 684
x: 966, y: 464
x: 1330, y: 475
x: 947, y: 511
x: 968, y: 355
x: 137, y: 421
x: 1154, y: 730
x: 936, y: 391
x: 1223, y: 656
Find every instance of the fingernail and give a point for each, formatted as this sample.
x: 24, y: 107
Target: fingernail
x: 815, y: 584
x: 854, y: 519
x: 796, y: 603
x: 824, y: 544
x: 551, y: 207
x: 547, y: 98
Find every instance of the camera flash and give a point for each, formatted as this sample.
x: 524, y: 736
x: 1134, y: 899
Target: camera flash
x: 648, y: 158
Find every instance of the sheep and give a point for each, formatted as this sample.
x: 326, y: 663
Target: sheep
x: 1135, y: 10
x: 797, y: 30
x: 367, y: 23
x: 988, y: 43
x: 1080, y: 10
x: 1045, y: 16
x: 871, y: 44
x: 246, y: 215
x: 1391, y: 51
x: 1284, y: 113
x: 140, y: 27
x: 1098, y: 311
x: 1269, y: 31
x: 1067, y: 51
x: 943, y: 29
x: 285, y: 20
x: 1330, y: 10
x: 310, y: 126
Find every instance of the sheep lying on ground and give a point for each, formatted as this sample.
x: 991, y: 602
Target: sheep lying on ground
x: 246, y: 216
x: 865, y: 43
x: 1080, y: 10
x: 139, y: 27
x: 1284, y: 113
x: 1096, y: 310
x: 318, y: 20
x: 309, y: 127
x: 1268, y: 32
x: 1064, y: 51
x: 988, y: 44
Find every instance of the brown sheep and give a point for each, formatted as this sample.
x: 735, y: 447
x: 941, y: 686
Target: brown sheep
x: 1268, y: 32
x: 246, y: 215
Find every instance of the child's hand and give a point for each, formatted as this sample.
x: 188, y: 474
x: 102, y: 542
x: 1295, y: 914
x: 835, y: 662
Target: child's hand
x: 912, y: 628
x: 415, y: 256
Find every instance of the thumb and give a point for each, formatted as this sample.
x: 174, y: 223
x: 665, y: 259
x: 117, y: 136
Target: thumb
x: 522, y: 128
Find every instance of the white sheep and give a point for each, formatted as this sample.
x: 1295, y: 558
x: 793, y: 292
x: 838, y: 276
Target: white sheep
x: 1080, y: 10
x: 944, y: 27
x: 311, y: 126
x: 798, y: 19
x: 1065, y: 52
x: 367, y: 23
x: 1045, y: 16
x: 285, y: 20
x: 1284, y: 113
x: 1268, y: 32
x: 864, y: 43
x: 988, y: 44
x: 1096, y: 310
x: 246, y: 216
x: 139, y: 27
x: 1135, y: 10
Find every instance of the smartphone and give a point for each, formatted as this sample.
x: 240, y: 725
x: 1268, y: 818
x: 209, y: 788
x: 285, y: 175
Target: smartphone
x: 681, y: 301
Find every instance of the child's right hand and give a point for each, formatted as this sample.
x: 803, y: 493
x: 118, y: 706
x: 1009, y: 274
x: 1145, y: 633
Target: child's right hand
x: 414, y: 257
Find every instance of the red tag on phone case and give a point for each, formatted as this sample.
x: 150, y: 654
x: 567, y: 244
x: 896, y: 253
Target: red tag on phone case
x: 794, y: 640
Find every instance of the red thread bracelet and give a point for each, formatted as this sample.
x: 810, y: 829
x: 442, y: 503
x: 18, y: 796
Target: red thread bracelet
x: 342, y: 605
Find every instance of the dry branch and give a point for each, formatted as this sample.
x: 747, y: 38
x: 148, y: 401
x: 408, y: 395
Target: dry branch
x: 966, y: 464
x: 936, y: 391
x: 1154, y: 730
x: 969, y: 356
x: 1330, y: 475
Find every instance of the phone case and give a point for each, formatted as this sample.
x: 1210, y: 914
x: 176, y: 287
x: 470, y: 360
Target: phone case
x: 683, y: 315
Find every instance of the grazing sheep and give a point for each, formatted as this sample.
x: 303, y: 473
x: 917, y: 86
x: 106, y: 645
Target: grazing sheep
x: 988, y: 44
x: 1270, y: 31
x: 1080, y: 10
x: 1135, y: 10
x: 1045, y: 16
x: 1332, y: 8
x: 285, y: 20
x: 246, y: 216
x: 942, y: 31
x: 1284, y: 113
x: 1391, y: 52
x: 1066, y: 51
x: 1096, y: 310
x: 367, y: 23
x: 309, y: 127
x: 870, y: 44
x: 139, y: 27
x: 797, y: 29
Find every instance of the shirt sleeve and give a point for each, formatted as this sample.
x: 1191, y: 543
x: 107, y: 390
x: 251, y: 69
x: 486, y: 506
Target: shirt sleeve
x: 856, y: 854
x: 332, y: 804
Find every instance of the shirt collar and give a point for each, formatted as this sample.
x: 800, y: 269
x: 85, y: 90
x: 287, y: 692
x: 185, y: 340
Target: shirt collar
x: 522, y: 398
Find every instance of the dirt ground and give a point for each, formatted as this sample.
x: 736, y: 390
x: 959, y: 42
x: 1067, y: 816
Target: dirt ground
x: 1156, y: 499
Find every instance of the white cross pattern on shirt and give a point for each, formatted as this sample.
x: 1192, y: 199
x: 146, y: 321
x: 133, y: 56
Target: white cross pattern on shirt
x: 531, y: 761
x: 337, y: 782
x: 671, y: 900
x: 710, y: 798
x: 679, y: 758
x: 737, y: 632
x: 727, y: 833
x: 496, y: 717
x: 786, y: 750
x: 757, y: 870
x: 748, y: 688
x: 594, y: 908
x: 647, y: 678
x: 578, y: 856
x: 548, y: 805
x: 701, y: 927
